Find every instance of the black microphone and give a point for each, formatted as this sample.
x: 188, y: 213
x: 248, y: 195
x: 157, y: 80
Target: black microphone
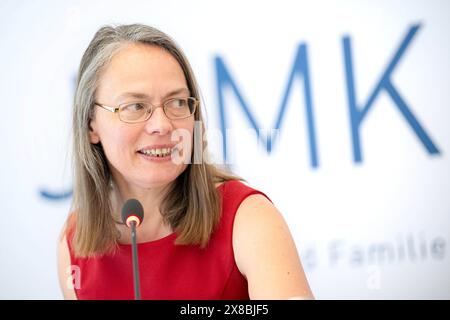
x: 132, y: 216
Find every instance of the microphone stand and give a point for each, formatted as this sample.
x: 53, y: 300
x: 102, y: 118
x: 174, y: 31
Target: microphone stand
x: 137, y: 289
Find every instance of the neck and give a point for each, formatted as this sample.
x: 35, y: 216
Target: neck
x: 153, y: 223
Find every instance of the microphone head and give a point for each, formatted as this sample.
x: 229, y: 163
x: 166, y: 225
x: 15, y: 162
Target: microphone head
x: 132, y: 210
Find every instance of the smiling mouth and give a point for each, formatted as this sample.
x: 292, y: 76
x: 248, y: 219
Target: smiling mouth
x: 157, y: 152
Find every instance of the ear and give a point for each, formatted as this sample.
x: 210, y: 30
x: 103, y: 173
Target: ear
x: 94, y: 138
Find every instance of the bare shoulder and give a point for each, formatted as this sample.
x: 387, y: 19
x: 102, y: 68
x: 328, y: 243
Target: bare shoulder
x: 265, y: 252
x: 64, y: 266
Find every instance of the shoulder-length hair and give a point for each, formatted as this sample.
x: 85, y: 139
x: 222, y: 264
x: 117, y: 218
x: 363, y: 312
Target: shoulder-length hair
x: 192, y: 205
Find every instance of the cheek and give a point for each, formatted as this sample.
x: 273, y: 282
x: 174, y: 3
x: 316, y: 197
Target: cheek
x: 118, y: 144
x: 184, y: 133
x: 187, y: 126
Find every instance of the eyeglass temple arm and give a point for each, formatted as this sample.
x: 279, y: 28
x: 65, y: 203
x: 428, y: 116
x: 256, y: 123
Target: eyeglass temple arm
x: 112, y: 109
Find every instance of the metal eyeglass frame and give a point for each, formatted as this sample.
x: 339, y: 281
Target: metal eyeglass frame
x: 152, y: 108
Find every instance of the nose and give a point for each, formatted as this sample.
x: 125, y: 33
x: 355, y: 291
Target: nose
x: 158, y: 123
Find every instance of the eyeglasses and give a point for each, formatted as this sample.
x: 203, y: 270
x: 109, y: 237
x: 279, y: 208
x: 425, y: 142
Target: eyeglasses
x: 174, y: 109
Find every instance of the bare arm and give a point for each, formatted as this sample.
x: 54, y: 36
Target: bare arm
x: 266, y: 253
x: 64, y: 269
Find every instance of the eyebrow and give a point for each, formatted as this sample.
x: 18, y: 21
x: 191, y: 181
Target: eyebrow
x: 139, y: 95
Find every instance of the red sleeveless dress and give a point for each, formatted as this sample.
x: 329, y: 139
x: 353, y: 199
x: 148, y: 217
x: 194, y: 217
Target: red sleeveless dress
x: 169, y: 271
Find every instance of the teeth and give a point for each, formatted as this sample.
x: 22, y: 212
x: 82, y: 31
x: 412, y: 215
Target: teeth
x: 161, y: 152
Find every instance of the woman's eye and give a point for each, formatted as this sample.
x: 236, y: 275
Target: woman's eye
x: 180, y: 103
x: 133, y: 107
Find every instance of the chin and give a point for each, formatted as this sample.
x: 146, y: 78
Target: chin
x: 149, y: 179
x: 156, y: 182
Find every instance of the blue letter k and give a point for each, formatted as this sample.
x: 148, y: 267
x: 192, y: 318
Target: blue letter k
x: 357, y: 114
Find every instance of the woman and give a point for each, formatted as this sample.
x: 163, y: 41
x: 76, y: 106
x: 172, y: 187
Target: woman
x: 205, y: 235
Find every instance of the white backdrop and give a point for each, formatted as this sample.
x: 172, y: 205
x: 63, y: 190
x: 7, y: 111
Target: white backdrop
x: 377, y: 227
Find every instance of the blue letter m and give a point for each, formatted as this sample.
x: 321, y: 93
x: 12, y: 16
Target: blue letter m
x: 300, y: 69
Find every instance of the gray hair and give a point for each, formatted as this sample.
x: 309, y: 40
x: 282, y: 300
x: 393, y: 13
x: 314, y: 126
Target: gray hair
x: 191, y: 205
